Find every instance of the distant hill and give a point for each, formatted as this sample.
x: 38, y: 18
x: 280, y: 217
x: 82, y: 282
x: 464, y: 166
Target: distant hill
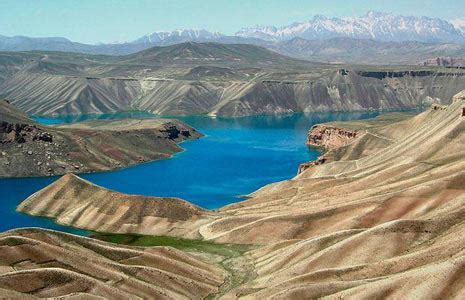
x: 365, y: 51
x: 345, y: 50
x: 209, y: 53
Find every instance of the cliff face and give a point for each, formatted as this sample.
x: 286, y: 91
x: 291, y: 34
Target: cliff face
x: 317, y: 91
x: 329, y: 137
x: 30, y: 149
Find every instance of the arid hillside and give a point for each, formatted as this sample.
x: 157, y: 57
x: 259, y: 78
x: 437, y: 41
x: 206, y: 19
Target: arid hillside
x: 214, y: 79
x: 383, y: 218
x: 31, y: 149
x: 36, y: 263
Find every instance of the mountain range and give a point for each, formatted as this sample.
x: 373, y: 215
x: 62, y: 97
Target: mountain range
x: 374, y: 25
x: 376, y: 38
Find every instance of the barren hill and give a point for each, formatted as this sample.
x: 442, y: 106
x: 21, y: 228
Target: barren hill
x: 76, y: 202
x: 43, y: 264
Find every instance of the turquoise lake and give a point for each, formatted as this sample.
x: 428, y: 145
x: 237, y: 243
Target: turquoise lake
x: 236, y: 157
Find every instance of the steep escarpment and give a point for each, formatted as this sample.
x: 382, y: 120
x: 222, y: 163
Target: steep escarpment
x: 30, y: 149
x: 223, y: 80
x: 390, y: 222
x: 328, y: 91
x: 45, y: 264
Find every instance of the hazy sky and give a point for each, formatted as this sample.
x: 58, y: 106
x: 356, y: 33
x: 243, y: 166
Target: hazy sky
x: 92, y: 21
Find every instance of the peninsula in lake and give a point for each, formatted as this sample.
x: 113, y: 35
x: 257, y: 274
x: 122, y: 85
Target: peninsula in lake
x: 32, y: 149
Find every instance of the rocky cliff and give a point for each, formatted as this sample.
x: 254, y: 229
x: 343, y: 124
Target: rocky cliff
x: 329, y: 137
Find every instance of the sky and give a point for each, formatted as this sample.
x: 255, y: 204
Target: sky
x: 94, y: 21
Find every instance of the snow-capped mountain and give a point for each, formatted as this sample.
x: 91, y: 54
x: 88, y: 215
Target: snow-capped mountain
x: 182, y: 34
x: 459, y: 24
x: 373, y: 25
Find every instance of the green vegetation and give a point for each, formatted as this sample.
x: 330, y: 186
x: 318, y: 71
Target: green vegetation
x: 227, y: 250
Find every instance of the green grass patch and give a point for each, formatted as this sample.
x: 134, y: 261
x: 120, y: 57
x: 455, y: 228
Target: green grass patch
x: 229, y: 250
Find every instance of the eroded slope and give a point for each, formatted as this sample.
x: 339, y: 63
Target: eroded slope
x: 76, y: 202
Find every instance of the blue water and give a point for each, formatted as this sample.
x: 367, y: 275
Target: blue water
x: 236, y: 157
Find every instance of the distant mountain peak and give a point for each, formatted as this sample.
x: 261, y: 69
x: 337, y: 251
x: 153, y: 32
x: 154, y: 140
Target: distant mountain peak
x: 459, y: 24
x: 377, y: 14
x: 181, y: 34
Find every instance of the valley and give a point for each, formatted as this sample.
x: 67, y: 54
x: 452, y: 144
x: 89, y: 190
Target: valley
x: 412, y: 206
x: 232, y: 150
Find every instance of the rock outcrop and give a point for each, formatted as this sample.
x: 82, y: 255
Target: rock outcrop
x: 21, y: 133
x: 446, y: 61
x: 329, y: 137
